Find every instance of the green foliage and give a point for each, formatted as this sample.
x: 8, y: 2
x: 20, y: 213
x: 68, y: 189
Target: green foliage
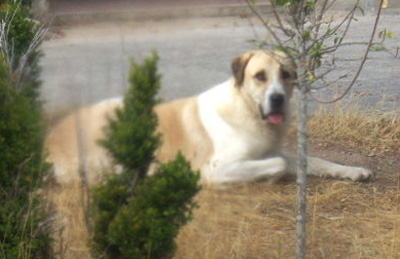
x: 287, y: 2
x: 337, y: 40
x: 20, y: 33
x: 22, y: 169
x: 134, y: 216
x: 147, y: 226
x: 22, y: 166
x: 306, y: 35
x: 310, y: 4
x: 108, y: 199
x: 287, y: 50
x: 384, y: 33
x: 377, y: 47
x: 148, y: 222
x: 316, y: 52
x: 26, y: 3
x: 130, y: 137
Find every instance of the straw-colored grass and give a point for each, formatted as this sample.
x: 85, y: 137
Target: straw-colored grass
x: 70, y: 233
x: 370, y: 131
x: 346, y: 219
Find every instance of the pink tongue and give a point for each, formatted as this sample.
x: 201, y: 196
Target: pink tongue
x: 275, y: 118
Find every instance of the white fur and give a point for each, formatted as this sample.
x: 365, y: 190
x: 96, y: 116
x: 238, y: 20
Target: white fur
x: 239, y: 157
x: 275, y: 88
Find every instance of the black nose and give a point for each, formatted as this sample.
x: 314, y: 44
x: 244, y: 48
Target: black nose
x: 277, y: 101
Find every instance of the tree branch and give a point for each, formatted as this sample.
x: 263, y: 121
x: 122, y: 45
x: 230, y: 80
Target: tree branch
x: 362, y: 62
x: 266, y: 25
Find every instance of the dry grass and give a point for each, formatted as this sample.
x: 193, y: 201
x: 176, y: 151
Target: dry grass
x: 346, y: 220
x: 369, y: 131
x: 70, y: 231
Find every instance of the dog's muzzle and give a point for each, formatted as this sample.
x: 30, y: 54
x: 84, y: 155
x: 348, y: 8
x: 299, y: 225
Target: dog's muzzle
x: 276, y: 112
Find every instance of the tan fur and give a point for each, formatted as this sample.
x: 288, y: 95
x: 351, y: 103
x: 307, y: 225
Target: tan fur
x: 182, y: 130
x: 73, y: 143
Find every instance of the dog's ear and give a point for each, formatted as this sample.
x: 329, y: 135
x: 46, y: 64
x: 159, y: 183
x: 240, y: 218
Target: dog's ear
x: 238, y: 66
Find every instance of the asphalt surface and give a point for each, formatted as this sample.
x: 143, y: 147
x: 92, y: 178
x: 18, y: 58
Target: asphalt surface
x: 90, y: 62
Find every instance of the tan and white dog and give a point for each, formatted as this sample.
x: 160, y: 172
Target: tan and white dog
x: 232, y: 132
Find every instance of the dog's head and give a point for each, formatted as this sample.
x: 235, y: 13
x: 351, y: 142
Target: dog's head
x: 266, y: 79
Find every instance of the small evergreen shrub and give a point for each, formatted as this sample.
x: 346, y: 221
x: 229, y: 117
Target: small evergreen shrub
x: 22, y: 164
x: 108, y: 199
x: 22, y: 169
x: 137, y: 216
x: 131, y: 136
x: 147, y: 226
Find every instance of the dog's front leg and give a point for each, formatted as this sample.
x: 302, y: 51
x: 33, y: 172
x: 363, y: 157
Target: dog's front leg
x: 248, y: 171
x: 322, y: 168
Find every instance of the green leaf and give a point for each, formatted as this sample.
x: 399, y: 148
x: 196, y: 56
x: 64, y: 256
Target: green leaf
x: 386, y: 33
x: 307, y: 35
x: 285, y: 3
x: 311, y: 76
x: 337, y: 40
x: 286, y: 50
x: 377, y: 48
x: 361, y: 9
x: 390, y: 34
x: 316, y: 52
x: 311, y: 5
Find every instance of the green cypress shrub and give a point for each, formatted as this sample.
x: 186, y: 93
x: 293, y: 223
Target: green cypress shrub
x: 22, y: 169
x: 130, y: 137
x: 23, y: 232
x: 147, y: 226
x: 137, y: 216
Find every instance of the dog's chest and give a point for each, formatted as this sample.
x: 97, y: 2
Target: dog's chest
x: 231, y: 143
x: 244, y: 139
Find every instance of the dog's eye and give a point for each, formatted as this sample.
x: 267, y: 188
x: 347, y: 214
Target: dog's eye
x: 261, y: 76
x: 285, y: 75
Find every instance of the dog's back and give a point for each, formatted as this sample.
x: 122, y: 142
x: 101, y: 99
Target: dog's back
x: 73, y: 143
x: 182, y: 130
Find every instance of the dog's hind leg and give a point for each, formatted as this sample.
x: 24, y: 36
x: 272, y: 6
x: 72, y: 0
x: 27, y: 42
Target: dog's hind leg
x: 323, y: 168
x: 248, y: 171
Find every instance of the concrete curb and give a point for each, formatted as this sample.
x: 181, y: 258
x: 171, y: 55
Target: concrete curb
x: 158, y: 14
x: 64, y: 19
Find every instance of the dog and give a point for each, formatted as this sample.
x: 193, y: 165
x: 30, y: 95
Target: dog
x: 232, y: 133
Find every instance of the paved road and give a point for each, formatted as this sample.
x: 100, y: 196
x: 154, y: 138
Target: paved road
x: 88, y: 63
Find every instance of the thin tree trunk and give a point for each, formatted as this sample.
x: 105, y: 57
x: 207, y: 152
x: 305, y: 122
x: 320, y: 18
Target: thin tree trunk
x: 302, y: 116
x: 83, y: 171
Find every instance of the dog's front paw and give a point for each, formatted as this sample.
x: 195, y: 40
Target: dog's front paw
x: 359, y: 174
x: 278, y: 169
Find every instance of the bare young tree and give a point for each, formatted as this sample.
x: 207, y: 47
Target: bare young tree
x: 300, y: 29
